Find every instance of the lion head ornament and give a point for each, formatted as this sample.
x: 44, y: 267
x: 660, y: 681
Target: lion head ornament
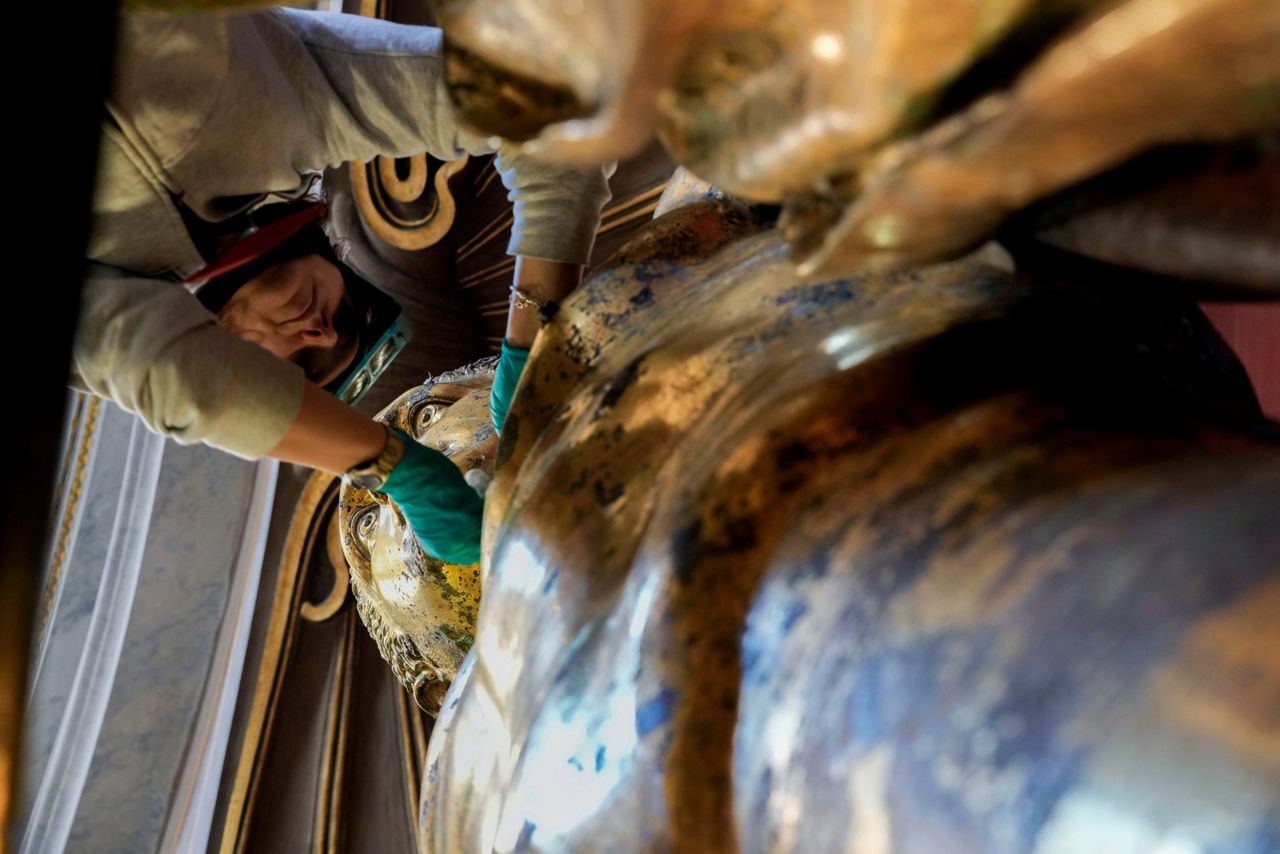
x: 420, y: 610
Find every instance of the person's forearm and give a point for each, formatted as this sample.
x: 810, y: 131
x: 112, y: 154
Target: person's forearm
x: 329, y: 435
x: 544, y: 281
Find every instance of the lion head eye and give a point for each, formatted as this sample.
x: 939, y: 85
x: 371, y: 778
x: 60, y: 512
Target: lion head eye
x: 426, y: 417
x: 365, y: 525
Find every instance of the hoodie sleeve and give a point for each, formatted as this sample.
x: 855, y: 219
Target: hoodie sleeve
x: 152, y: 348
x: 302, y: 91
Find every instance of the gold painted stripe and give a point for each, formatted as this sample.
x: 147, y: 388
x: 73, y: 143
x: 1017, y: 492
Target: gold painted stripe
x: 505, y: 263
x: 489, y: 232
x: 495, y: 228
x: 497, y: 219
x: 631, y: 201
x: 489, y: 177
x: 500, y: 275
x: 486, y: 234
x: 502, y: 229
x: 337, y: 785
x: 320, y: 829
x: 408, y: 758
x: 647, y: 210
x: 420, y: 740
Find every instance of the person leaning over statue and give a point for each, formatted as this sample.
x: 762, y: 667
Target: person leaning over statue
x: 212, y: 115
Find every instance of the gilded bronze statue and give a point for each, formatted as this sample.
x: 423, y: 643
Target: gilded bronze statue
x: 849, y: 530
x: 940, y: 555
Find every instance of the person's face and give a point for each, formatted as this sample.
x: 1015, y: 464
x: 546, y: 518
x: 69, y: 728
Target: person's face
x: 300, y: 311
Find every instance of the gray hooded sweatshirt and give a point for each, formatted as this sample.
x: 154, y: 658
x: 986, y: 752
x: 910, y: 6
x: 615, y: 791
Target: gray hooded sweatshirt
x: 220, y: 113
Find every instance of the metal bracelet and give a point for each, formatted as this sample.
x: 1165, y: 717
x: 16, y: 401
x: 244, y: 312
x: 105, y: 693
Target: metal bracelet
x: 520, y: 298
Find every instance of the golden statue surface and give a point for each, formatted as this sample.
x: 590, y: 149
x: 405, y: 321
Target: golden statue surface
x: 837, y: 534
x: 770, y: 562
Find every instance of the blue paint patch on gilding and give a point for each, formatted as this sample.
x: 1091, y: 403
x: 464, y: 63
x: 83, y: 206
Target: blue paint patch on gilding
x: 655, y: 712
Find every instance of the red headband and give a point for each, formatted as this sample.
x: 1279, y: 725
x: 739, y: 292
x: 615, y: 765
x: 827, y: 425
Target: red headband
x: 257, y: 243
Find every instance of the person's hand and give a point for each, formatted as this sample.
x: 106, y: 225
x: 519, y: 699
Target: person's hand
x: 443, y: 510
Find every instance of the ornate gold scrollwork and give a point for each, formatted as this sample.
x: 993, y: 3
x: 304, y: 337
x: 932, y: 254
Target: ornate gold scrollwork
x: 387, y: 207
x: 411, y: 186
x: 422, y: 614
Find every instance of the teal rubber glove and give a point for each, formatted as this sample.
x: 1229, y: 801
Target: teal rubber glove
x: 441, y: 507
x: 510, y: 367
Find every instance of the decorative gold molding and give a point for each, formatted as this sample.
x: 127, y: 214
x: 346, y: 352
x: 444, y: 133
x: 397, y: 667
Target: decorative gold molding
x: 408, y: 189
x: 73, y: 428
x: 314, y: 520
x: 72, y: 487
x: 321, y: 611
x: 344, y: 727
x: 403, y: 233
x: 328, y: 816
x: 420, y: 736
x: 408, y: 757
x: 320, y: 491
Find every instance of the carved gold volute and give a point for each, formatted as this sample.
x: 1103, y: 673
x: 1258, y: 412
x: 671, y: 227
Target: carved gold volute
x: 405, y: 201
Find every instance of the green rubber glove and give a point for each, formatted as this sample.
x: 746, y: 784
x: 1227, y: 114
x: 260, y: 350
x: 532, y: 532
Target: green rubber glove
x: 441, y: 507
x: 510, y: 367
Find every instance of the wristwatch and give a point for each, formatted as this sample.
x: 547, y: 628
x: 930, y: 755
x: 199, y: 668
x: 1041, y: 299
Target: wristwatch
x: 372, y: 474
